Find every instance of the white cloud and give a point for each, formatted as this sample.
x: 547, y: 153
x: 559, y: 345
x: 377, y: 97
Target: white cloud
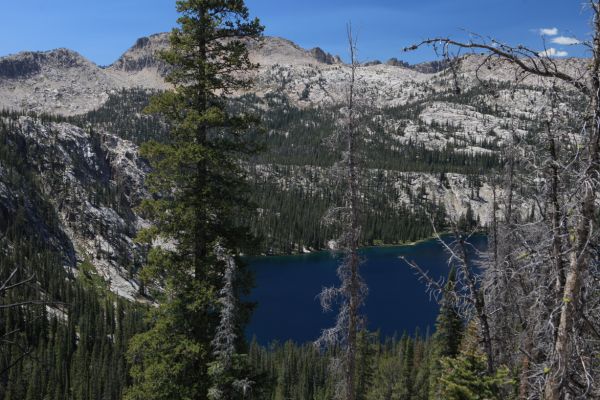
x: 564, y: 40
x: 548, y: 31
x: 552, y: 52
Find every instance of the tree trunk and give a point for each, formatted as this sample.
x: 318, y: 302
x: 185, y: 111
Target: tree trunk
x: 354, y: 229
x: 525, y: 363
x: 580, y: 255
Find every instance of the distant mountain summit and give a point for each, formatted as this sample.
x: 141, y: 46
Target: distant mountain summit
x: 275, y: 50
x: 64, y: 82
x: 28, y: 64
x: 143, y: 55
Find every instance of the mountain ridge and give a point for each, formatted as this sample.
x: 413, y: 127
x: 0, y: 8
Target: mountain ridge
x: 65, y: 83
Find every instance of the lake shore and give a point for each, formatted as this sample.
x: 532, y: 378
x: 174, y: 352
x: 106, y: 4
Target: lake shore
x: 375, y: 246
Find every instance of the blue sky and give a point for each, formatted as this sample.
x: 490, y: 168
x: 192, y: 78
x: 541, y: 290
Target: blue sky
x: 103, y: 29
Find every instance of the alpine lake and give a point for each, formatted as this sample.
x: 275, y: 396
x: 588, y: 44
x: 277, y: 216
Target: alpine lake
x: 287, y: 289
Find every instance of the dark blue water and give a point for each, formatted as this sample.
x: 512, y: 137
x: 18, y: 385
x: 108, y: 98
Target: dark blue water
x: 287, y: 288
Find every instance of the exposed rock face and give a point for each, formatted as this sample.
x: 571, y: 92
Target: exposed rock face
x: 63, y: 82
x: 143, y: 55
x: 55, y: 81
x: 431, y: 67
x: 20, y: 202
x: 23, y: 67
x: 278, y: 51
x: 454, y: 192
x: 27, y: 64
x: 394, y: 62
x: 323, y: 57
x: 74, y: 169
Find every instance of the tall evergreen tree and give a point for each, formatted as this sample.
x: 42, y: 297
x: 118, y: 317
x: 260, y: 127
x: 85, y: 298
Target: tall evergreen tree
x: 198, y: 192
x: 448, y: 335
x: 406, y: 384
x: 449, y: 324
x: 465, y: 378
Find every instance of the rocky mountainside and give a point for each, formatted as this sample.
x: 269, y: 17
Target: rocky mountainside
x: 142, y: 56
x: 431, y: 134
x: 76, y: 189
x: 64, y: 82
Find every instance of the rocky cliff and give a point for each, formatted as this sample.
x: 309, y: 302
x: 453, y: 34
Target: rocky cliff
x: 76, y: 189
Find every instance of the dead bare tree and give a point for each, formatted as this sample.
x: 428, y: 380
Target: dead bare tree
x: 225, y: 383
x: 352, y: 291
x: 552, y: 260
x: 466, y: 296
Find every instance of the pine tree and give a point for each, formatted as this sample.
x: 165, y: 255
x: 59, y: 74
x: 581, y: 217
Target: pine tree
x: 423, y: 369
x: 406, y: 384
x: 449, y: 324
x: 386, y: 378
x: 448, y: 335
x: 198, y: 192
x: 366, y: 349
x: 465, y: 378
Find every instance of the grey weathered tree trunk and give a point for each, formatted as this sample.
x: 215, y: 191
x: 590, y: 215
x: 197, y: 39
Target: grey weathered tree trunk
x: 224, y: 341
x: 579, y: 257
x: 352, y: 289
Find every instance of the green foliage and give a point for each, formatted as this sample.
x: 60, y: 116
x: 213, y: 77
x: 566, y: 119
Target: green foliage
x: 386, y: 378
x: 288, y: 181
x: 226, y: 382
x: 449, y: 324
x: 121, y: 114
x: 90, y: 277
x: 72, y: 349
x: 465, y: 378
x: 165, y: 362
x: 199, y: 192
x: 467, y: 221
x: 366, y: 355
x: 291, y: 218
x: 198, y: 146
x: 448, y: 336
x: 291, y: 371
x: 405, y: 386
